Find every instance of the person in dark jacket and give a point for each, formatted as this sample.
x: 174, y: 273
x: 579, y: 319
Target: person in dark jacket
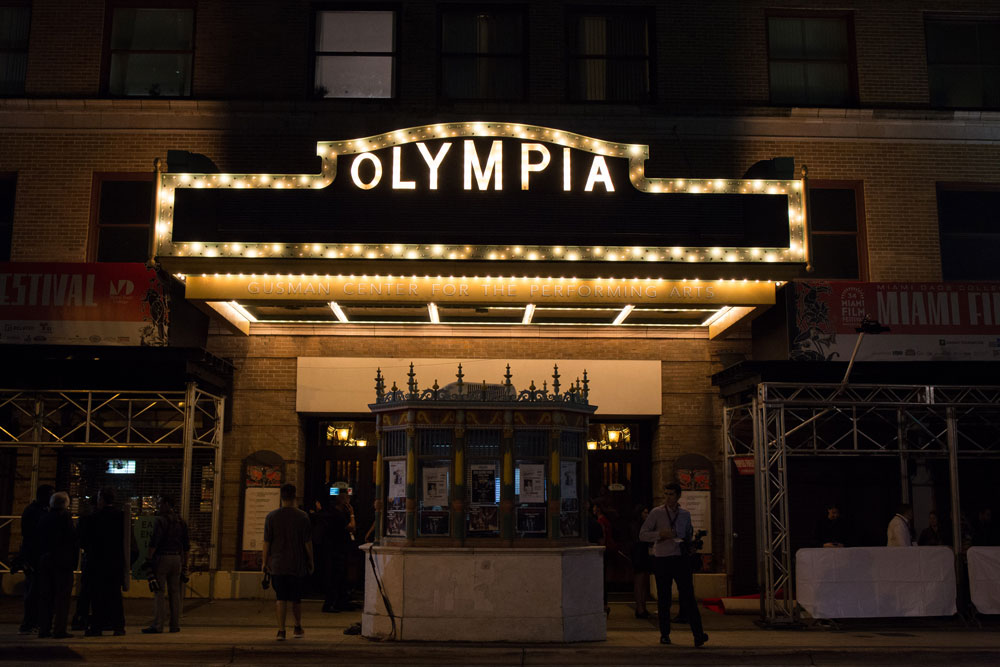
x: 81, y: 618
x: 104, y: 544
x: 168, y: 551
x: 59, y: 554
x: 30, y: 554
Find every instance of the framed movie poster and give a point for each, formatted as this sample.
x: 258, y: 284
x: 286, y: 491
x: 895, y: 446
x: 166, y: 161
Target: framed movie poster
x: 397, y: 479
x: 531, y: 520
x: 567, y: 479
x: 483, y: 519
x: 434, y: 522
x: 483, y: 483
x: 435, y: 486
x: 532, y: 483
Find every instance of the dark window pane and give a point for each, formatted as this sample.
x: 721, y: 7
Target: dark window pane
x: 951, y: 42
x: 969, y: 222
x: 151, y: 74
x: 832, y: 210
x: 835, y: 256
x: 13, y: 70
x: 785, y: 38
x: 970, y: 257
x: 810, y: 61
x: 612, y: 62
x: 152, y: 29
x: 969, y: 211
x: 482, y: 32
x: 481, y: 78
x: 482, y: 55
x: 126, y: 202
x: 955, y: 85
x: 123, y: 244
x: 14, y: 24
x: 8, y: 187
x: 989, y: 43
x: 355, y: 76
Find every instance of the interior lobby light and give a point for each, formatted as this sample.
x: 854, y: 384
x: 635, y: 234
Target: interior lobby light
x: 432, y: 310
x: 529, y: 312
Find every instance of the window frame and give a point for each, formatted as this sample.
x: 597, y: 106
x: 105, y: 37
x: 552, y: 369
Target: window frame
x: 859, y: 212
x: 27, y: 44
x: 107, y: 51
x: 575, y: 13
x: 960, y: 186
x: 520, y: 8
x: 854, y: 98
x: 314, y: 53
x: 94, y: 236
x: 974, y: 19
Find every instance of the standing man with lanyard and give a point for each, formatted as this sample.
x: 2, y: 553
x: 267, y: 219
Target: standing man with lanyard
x: 668, y: 527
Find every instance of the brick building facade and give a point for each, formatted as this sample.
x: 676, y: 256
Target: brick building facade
x: 707, y: 111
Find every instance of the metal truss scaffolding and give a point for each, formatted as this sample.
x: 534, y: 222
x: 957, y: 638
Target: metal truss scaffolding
x: 48, y: 419
x: 786, y: 420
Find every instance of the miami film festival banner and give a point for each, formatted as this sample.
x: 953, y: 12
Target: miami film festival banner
x: 926, y: 321
x: 82, y: 304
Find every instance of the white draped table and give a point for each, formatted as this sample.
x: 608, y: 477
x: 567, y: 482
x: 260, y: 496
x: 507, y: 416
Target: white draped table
x: 866, y: 582
x: 984, y: 579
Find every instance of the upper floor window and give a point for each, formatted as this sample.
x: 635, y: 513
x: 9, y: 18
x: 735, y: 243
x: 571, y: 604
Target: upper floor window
x: 150, y: 49
x: 8, y: 186
x: 355, y: 54
x: 963, y: 62
x: 482, y: 53
x: 836, y: 226
x: 811, y: 60
x: 969, y: 225
x: 610, y: 56
x: 122, y: 217
x: 14, y: 24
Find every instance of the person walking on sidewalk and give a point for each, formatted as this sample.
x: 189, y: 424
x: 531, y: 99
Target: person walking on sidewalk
x: 30, y: 553
x: 168, y: 552
x: 59, y: 554
x: 288, y: 557
x: 669, y: 527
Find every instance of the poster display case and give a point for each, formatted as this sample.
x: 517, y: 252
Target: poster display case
x: 477, y: 463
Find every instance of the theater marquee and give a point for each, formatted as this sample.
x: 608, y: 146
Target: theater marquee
x: 481, y: 191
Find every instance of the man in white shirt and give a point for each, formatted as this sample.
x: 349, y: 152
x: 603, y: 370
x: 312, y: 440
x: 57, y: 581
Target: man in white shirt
x: 667, y: 527
x: 900, y: 532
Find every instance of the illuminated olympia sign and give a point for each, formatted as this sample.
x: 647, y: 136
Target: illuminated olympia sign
x: 481, y: 191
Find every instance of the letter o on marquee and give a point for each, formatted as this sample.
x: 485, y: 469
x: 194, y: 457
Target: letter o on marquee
x: 356, y: 165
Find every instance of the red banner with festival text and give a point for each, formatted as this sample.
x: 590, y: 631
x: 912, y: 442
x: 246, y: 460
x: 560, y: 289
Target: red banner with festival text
x: 82, y: 304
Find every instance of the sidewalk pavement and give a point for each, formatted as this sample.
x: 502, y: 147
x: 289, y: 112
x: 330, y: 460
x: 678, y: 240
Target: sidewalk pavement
x: 243, y: 632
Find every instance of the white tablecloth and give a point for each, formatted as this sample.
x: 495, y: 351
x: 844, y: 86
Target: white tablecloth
x: 865, y: 582
x: 984, y: 579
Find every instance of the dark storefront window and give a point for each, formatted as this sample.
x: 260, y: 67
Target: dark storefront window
x: 811, y: 60
x: 122, y: 217
x: 963, y: 62
x: 610, y: 57
x: 836, y: 215
x: 482, y: 54
x: 8, y: 189
x: 15, y: 20
x: 969, y: 224
x: 150, y: 49
x: 355, y: 54
x: 139, y: 477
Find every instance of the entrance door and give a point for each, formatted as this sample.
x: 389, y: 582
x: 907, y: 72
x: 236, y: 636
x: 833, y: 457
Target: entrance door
x: 343, y: 451
x: 619, y: 478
